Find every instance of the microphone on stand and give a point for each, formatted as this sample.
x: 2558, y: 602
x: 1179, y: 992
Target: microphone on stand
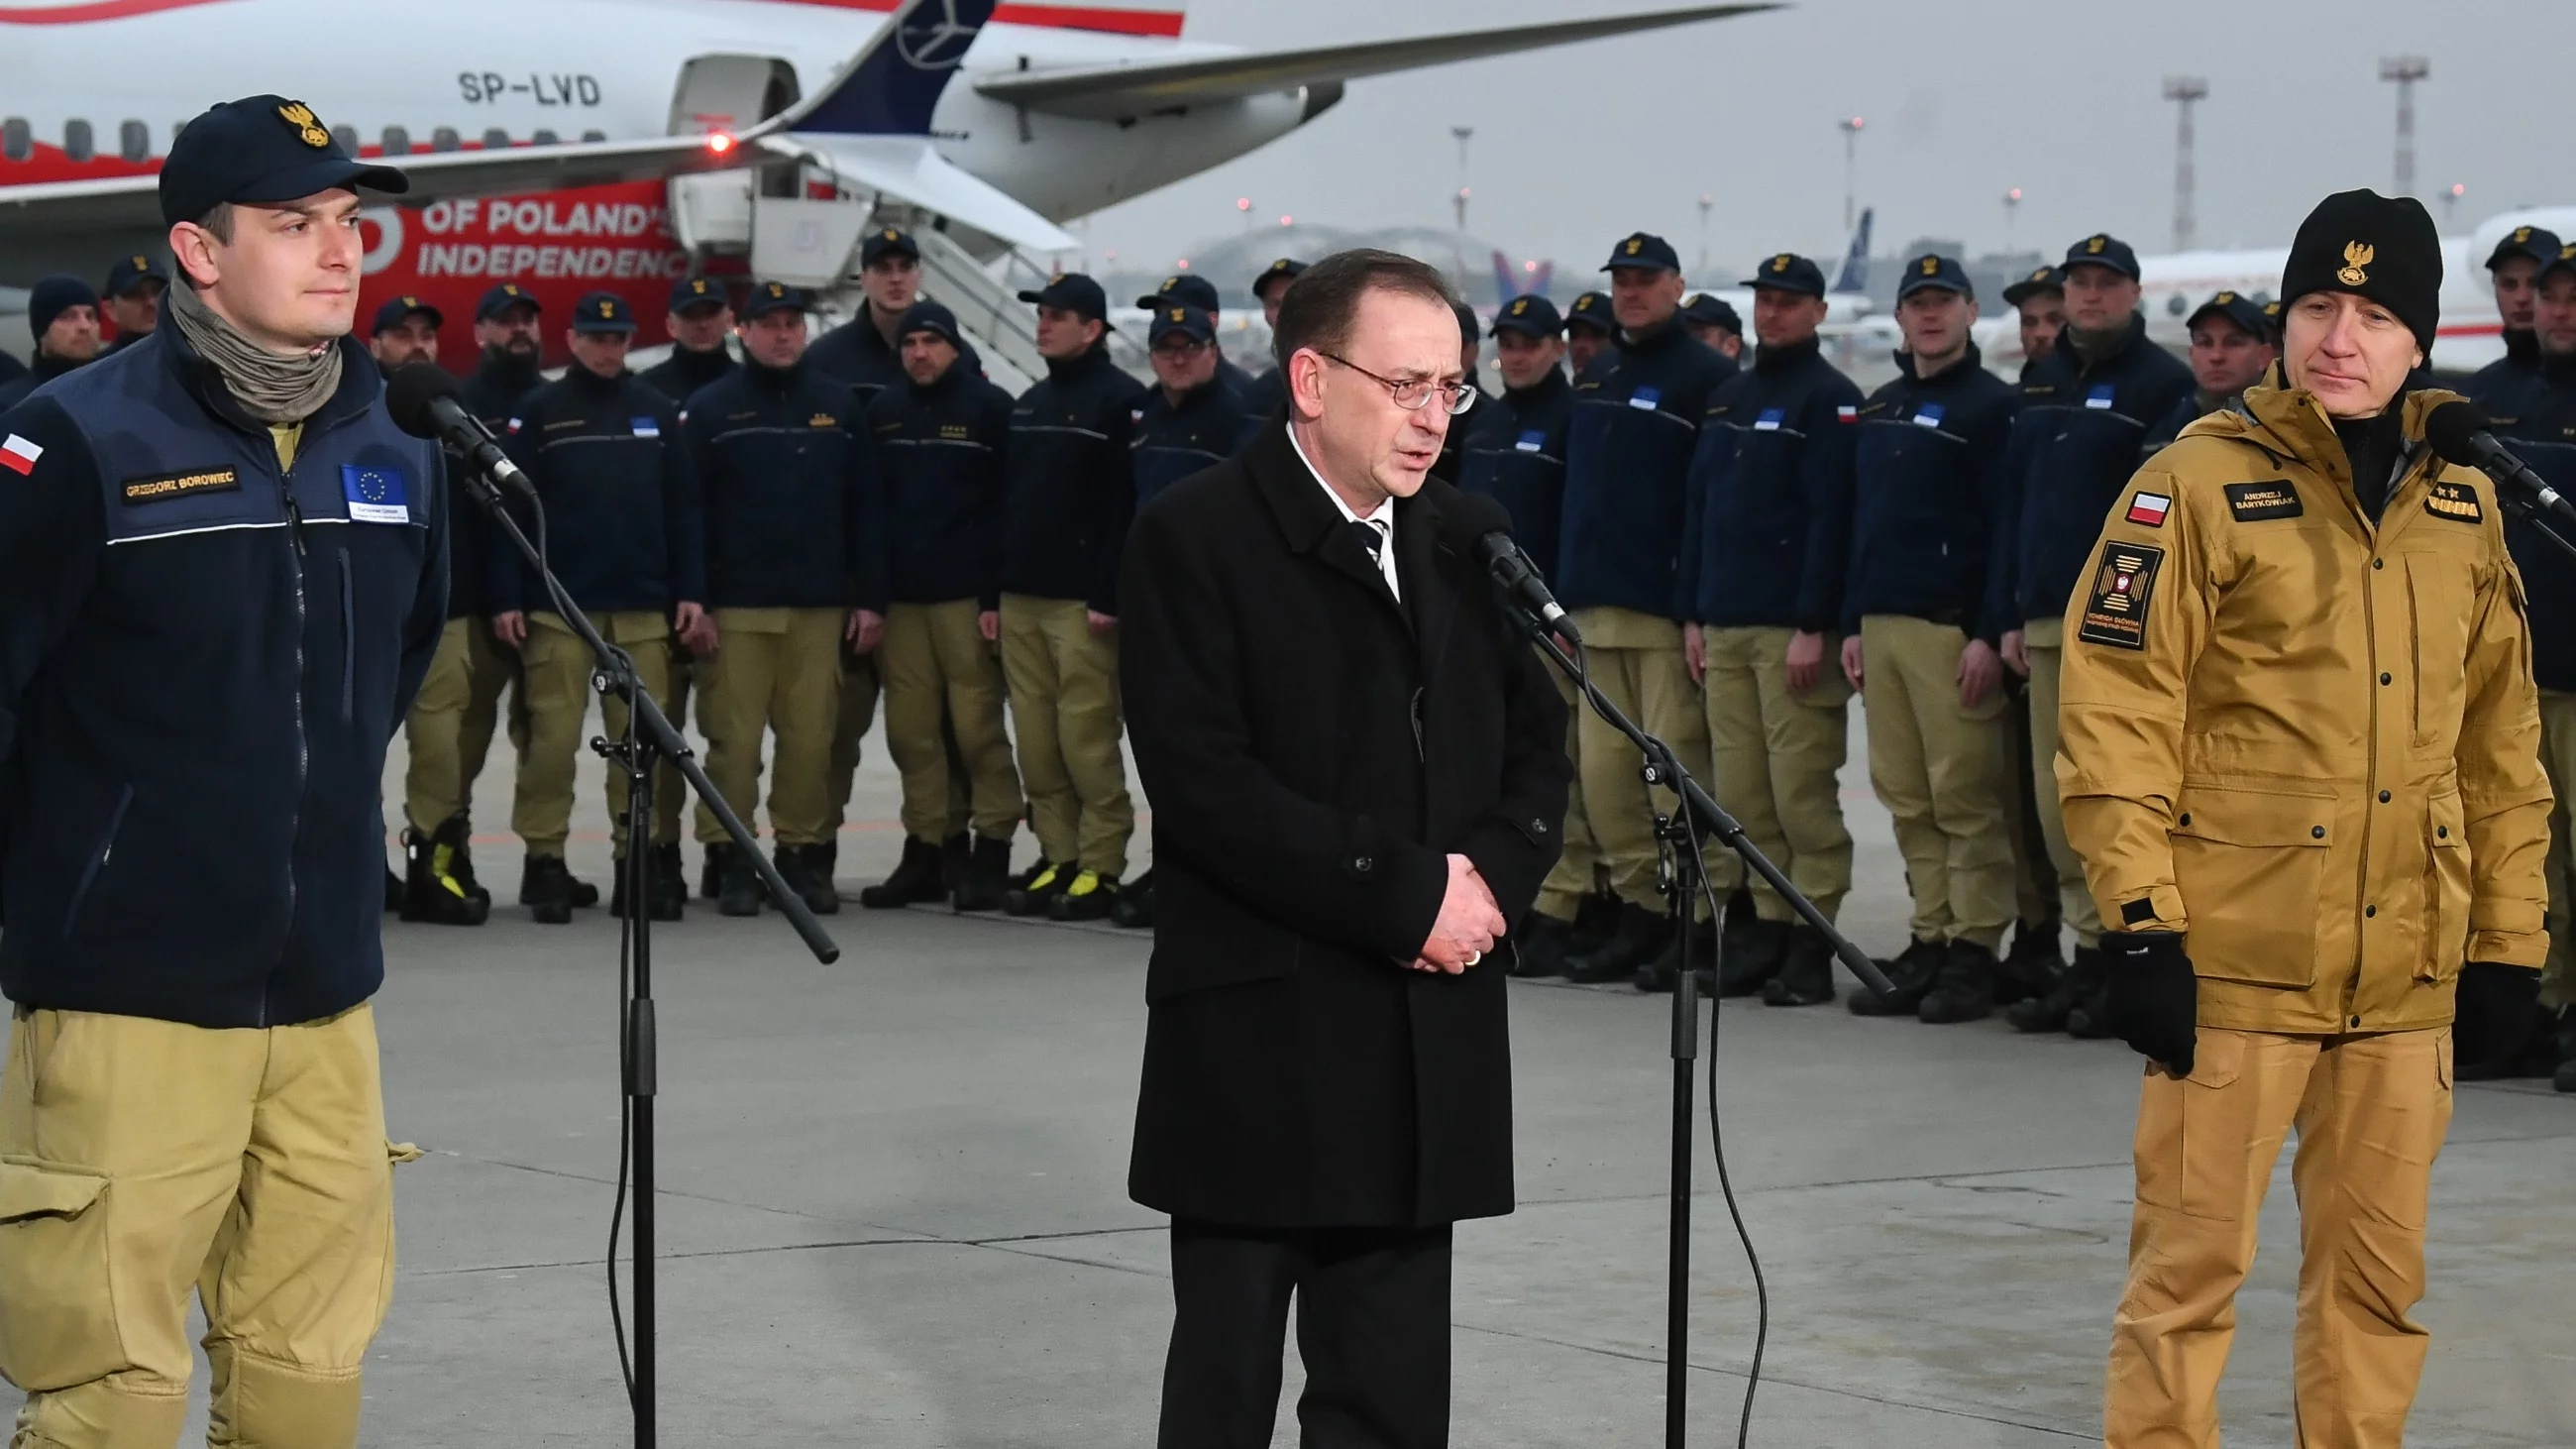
x: 1482, y: 523
x: 2459, y: 434
x: 426, y: 403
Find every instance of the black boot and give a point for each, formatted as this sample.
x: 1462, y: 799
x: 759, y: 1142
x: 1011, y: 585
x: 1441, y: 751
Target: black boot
x: 1037, y: 890
x: 1134, y: 907
x: 1964, y: 990
x: 1806, y: 978
x: 1750, y: 951
x: 711, y: 871
x: 1911, y: 972
x: 545, y: 888
x: 988, y: 877
x: 916, y: 879
x: 2033, y: 962
x: 1596, y: 920
x: 955, y: 854
x: 741, y: 892
x: 815, y: 886
x: 669, y: 900
x: 2047, y: 1011
x: 1541, y: 946
x: 2088, y: 984
x: 432, y: 889
x: 1088, y: 896
x: 1640, y: 937
x: 1664, y: 972
x: 1022, y: 879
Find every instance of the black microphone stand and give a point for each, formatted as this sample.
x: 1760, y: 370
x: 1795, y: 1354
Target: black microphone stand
x: 650, y: 740
x: 1679, y: 837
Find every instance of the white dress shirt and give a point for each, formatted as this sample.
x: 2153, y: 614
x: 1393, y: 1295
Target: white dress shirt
x: 1382, y: 518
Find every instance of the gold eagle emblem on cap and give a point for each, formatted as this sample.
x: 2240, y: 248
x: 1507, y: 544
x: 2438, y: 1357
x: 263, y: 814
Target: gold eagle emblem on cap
x: 607, y: 308
x: 2356, y: 256
x: 2093, y: 245
x: 1780, y: 263
x: 1931, y: 266
x: 2223, y: 299
x: 141, y: 265
x: 1636, y: 244
x: 1520, y: 306
x: 308, y: 127
x: 892, y: 235
x: 2521, y: 234
x: 411, y: 301
x: 2567, y: 253
x: 1170, y: 282
x: 2040, y: 276
x: 698, y: 285
x: 1180, y: 315
x: 510, y: 289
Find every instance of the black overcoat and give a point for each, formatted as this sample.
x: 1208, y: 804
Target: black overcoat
x: 1314, y: 750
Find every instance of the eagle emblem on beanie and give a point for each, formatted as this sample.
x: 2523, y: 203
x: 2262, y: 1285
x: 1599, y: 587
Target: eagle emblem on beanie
x: 2356, y: 256
x: 308, y: 127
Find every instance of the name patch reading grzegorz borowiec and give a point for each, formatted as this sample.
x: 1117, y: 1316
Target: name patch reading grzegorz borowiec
x: 162, y: 487
x: 2116, y: 614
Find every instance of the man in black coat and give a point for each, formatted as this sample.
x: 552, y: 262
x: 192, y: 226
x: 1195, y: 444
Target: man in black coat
x: 1358, y: 775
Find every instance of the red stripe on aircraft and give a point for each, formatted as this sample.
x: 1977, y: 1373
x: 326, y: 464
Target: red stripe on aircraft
x: 1039, y: 13
x: 94, y: 10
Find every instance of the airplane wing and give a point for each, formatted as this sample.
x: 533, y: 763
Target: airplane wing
x: 910, y: 169
x: 134, y: 201
x: 1120, y: 91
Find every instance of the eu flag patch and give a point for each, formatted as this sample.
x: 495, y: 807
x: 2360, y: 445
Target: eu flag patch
x: 1769, y: 420
x: 375, y: 494
x: 647, y: 428
x: 1530, y: 442
x: 2099, y: 397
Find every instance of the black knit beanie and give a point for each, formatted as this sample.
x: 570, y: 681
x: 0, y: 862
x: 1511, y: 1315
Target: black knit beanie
x: 2382, y: 248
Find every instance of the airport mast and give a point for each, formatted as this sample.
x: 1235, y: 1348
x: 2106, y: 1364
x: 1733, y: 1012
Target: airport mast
x: 2404, y: 71
x: 2185, y: 91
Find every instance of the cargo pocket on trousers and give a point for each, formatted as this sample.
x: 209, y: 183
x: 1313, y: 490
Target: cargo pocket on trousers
x: 2251, y: 866
x: 2191, y: 1149
x: 57, y: 1315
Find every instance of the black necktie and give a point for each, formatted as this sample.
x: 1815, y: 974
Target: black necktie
x: 1370, y: 539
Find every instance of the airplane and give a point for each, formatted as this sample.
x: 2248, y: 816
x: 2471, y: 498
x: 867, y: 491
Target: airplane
x: 556, y: 143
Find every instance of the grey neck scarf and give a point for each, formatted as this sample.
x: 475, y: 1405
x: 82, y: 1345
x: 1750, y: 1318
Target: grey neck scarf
x: 271, y: 387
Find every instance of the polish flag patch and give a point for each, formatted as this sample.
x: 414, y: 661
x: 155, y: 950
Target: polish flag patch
x: 1846, y: 413
x: 19, y: 456
x: 2150, y: 509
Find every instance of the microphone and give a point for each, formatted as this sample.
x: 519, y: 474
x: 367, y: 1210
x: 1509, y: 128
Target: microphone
x: 2458, y: 433
x: 1482, y: 524
x: 426, y: 403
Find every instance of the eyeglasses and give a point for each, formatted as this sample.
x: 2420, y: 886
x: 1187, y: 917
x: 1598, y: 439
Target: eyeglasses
x: 1413, y: 393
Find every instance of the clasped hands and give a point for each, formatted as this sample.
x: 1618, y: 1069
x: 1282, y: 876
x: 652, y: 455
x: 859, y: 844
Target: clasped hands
x: 1468, y: 925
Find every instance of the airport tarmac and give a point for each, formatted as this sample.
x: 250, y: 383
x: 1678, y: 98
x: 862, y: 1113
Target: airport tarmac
x: 894, y: 1214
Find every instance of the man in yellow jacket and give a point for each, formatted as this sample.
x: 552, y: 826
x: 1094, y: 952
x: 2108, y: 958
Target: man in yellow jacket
x: 2300, y: 760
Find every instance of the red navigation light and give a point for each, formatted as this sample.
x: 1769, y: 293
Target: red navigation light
x: 719, y: 142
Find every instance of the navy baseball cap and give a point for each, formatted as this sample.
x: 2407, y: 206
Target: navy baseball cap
x: 1072, y: 292
x: 930, y: 317
x: 502, y: 298
x: 397, y: 309
x: 2524, y: 241
x: 52, y: 296
x: 1713, y: 311
x: 887, y: 240
x: 1643, y: 249
x: 1592, y: 309
x: 1935, y: 270
x: 1788, y: 272
x: 1181, y: 319
x: 2236, y: 307
x: 130, y: 273
x: 1186, y: 289
x: 2102, y: 250
x: 602, y: 312
x: 1531, y: 316
x: 767, y: 297
x: 258, y: 151
x: 695, y: 291
x: 1286, y: 269
x: 2043, y: 279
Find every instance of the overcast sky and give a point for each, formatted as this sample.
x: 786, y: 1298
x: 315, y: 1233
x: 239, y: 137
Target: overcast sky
x: 1963, y: 99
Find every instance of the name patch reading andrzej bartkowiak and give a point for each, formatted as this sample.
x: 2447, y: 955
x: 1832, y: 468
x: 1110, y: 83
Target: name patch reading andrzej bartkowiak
x: 2252, y: 502
x: 162, y: 487
x: 2457, y: 502
x: 2117, y: 612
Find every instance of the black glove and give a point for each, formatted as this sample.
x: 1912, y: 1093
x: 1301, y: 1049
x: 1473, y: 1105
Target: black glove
x: 2154, y: 999
x: 2499, y: 1007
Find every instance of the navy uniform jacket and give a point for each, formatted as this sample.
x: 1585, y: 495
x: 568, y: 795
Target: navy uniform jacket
x: 1637, y: 411
x: 2073, y: 449
x: 1072, y: 482
x: 1768, y: 506
x: 1204, y: 429
x: 19, y: 388
x: 783, y: 468
x: 2510, y: 388
x: 1264, y: 398
x: 941, y: 452
x: 1514, y: 453
x: 11, y: 369
x: 492, y: 393
x: 2190, y: 408
x: 202, y: 657
x: 624, y: 526
x: 2543, y: 431
x: 859, y: 356
x: 1927, y: 497
x: 684, y: 372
